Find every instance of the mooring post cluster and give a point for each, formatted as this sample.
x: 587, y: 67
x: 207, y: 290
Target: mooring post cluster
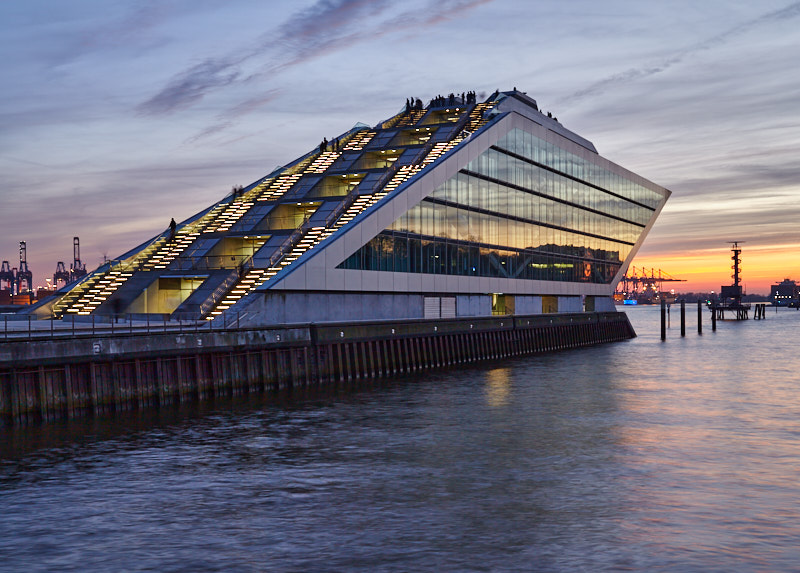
x: 760, y: 313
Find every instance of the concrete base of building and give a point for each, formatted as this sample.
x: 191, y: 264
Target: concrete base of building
x: 288, y: 307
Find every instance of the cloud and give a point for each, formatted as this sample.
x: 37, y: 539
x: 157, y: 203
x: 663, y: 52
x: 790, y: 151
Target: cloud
x: 313, y: 32
x: 76, y: 31
x: 312, y: 25
x: 190, y: 86
x: 227, y: 118
x: 633, y: 74
x: 305, y: 34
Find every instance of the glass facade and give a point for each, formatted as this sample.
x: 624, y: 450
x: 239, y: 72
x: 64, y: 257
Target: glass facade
x: 524, y: 209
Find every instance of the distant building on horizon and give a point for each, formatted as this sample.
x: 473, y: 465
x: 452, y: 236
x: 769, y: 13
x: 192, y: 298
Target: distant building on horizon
x: 455, y: 209
x: 784, y: 293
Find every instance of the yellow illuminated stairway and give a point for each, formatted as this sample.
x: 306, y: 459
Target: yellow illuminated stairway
x: 274, y: 189
x: 316, y: 235
x: 410, y: 118
x: 323, y: 161
x: 359, y: 140
x: 85, y: 297
x: 89, y: 295
x: 257, y: 277
x: 477, y: 115
x: 312, y: 238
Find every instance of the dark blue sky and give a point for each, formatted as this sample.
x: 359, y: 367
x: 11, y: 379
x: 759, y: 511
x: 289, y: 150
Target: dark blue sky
x: 119, y: 115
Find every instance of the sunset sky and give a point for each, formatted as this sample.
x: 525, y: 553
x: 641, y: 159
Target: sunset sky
x: 119, y: 115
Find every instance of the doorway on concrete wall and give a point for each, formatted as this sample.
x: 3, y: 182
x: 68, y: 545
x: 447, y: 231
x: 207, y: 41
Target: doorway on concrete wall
x: 502, y: 304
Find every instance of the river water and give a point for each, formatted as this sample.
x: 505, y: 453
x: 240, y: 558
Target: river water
x: 643, y: 455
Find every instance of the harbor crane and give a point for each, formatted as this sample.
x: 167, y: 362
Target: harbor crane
x: 639, y: 284
x: 7, y: 278
x: 77, y: 269
x: 61, y: 275
x: 24, y: 274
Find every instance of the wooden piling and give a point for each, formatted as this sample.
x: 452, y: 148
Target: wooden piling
x: 683, y: 317
x: 699, y: 317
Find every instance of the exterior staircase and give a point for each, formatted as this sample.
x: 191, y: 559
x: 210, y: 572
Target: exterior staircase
x: 95, y: 289
x: 357, y: 205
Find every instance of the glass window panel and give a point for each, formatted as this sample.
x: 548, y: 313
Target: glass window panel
x: 414, y: 220
x: 483, y: 163
x: 492, y: 197
x: 450, y: 222
x: 427, y: 218
x: 462, y: 195
x: 503, y: 141
x: 526, y: 145
x: 463, y: 224
x: 502, y: 231
x: 491, y: 170
x: 474, y: 233
x: 502, y: 200
x: 452, y: 185
x: 503, y: 173
x: 440, y: 228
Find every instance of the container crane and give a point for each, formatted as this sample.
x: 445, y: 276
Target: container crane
x: 642, y: 286
x: 7, y: 278
x: 24, y: 274
x: 61, y: 274
x: 77, y: 269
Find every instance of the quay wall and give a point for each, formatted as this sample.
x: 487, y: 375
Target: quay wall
x: 94, y: 375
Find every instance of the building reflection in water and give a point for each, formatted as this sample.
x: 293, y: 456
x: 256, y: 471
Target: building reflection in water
x: 498, y: 387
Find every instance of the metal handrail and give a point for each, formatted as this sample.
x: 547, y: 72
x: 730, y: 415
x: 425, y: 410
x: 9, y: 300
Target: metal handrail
x: 71, y: 328
x: 386, y: 177
x: 343, y: 206
x: 160, y: 324
x: 290, y: 242
x: 219, y: 292
x: 225, y: 286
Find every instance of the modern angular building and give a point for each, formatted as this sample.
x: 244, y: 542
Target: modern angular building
x: 460, y: 208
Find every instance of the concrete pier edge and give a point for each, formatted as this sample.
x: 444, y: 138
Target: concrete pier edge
x: 93, y: 375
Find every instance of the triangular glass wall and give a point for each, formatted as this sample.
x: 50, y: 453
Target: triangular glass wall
x: 523, y: 209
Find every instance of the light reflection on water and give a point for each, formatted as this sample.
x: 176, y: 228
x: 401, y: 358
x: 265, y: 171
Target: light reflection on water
x: 498, y: 386
x: 643, y: 455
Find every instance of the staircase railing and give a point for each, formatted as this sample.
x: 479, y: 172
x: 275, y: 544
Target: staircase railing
x: 386, y: 177
x: 462, y: 123
x: 225, y: 286
x: 289, y: 243
x: 339, y: 210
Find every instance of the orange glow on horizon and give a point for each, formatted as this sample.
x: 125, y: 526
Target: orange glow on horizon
x: 706, y: 271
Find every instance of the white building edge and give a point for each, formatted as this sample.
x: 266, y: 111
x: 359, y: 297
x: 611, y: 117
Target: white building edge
x: 317, y: 289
